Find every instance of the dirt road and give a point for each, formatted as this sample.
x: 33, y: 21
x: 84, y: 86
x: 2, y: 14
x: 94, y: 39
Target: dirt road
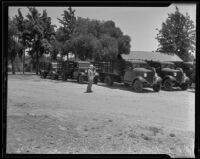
x: 47, y: 116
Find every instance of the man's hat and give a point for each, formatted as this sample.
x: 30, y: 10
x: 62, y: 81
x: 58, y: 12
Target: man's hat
x: 91, y: 66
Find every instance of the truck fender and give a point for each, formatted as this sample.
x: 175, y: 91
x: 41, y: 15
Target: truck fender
x: 157, y: 79
x: 140, y: 79
x: 169, y: 77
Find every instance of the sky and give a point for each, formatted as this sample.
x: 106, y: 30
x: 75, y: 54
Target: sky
x: 139, y: 23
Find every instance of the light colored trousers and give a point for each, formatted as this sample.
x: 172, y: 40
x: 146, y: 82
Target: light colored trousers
x: 89, y: 87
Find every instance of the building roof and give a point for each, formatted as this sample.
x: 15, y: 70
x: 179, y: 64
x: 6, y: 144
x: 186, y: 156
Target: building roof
x: 137, y: 61
x: 147, y: 55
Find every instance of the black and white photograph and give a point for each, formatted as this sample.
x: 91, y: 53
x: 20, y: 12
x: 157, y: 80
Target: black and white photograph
x: 101, y: 79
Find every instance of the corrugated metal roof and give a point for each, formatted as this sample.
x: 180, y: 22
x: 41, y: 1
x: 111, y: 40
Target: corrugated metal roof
x: 155, y: 56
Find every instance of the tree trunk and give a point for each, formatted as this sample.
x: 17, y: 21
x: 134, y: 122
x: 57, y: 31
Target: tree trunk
x: 37, y: 63
x: 23, y: 59
x: 67, y: 57
x: 13, y: 67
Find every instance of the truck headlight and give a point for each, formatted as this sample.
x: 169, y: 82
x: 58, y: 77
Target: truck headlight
x: 175, y: 73
x: 145, y: 75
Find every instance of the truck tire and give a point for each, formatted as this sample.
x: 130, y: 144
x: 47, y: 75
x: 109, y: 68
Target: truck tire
x: 80, y: 79
x: 138, y: 86
x: 52, y: 76
x: 44, y: 75
x: 168, y: 85
x: 108, y: 80
x: 126, y: 84
x: 56, y: 77
x: 95, y: 80
x: 184, y: 86
x: 64, y: 77
x: 156, y: 87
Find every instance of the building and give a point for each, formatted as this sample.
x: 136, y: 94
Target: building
x: 147, y: 55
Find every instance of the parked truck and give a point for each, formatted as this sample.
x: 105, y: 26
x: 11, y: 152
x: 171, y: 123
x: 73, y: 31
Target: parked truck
x: 134, y: 73
x: 188, y: 68
x: 66, y: 70
x: 171, y: 76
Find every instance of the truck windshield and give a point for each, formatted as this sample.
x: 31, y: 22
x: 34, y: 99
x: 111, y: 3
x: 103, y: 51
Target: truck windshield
x: 168, y: 66
x: 140, y: 65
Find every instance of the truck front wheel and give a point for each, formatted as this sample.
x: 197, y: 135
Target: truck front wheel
x: 156, y: 87
x: 80, y: 79
x: 168, y: 85
x: 184, y: 86
x: 138, y: 86
x: 108, y: 80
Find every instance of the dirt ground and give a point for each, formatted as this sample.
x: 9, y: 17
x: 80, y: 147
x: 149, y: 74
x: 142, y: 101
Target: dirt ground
x: 48, y: 116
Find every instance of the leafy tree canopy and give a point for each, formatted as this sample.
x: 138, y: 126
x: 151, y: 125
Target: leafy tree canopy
x: 177, y: 36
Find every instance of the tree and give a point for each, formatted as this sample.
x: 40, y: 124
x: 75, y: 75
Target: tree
x: 14, y: 46
x: 64, y: 33
x: 23, y: 34
x: 175, y: 35
x: 41, y: 32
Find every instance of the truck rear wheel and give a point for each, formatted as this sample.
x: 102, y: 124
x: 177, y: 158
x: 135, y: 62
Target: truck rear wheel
x: 108, y: 80
x: 168, y: 85
x: 80, y: 79
x: 64, y: 77
x: 156, y: 87
x: 44, y: 75
x: 95, y: 80
x: 138, y: 86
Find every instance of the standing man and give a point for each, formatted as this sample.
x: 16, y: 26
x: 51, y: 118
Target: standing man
x: 91, y: 74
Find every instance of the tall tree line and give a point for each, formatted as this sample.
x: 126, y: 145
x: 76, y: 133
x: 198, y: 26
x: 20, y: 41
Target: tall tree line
x: 87, y: 39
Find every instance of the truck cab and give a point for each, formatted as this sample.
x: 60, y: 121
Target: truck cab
x: 139, y: 74
x: 77, y: 70
x: 171, y: 75
x: 188, y: 69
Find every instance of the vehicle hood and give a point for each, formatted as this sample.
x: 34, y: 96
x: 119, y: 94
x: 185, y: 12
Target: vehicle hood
x: 142, y: 70
x: 170, y: 70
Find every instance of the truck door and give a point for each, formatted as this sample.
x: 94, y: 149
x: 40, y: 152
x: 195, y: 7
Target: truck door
x: 128, y: 75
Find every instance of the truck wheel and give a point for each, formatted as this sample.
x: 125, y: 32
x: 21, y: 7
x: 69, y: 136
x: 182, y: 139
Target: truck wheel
x: 56, y: 77
x: 156, y: 87
x: 184, y: 86
x: 126, y: 84
x: 80, y: 79
x: 52, y: 76
x: 168, y: 85
x: 108, y: 80
x: 64, y: 77
x: 138, y: 86
x: 44, y: 75
x: 95, y: 80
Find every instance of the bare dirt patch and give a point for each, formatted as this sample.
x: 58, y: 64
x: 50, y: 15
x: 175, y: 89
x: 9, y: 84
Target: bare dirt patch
x: 47, y: 116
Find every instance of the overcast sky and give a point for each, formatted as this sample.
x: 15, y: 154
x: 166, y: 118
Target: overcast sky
x: 139, y: 23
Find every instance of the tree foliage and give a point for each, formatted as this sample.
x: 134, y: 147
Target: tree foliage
x: 177, y: 35
x: 64, y: 32
x: 87, y: 39
x: 40, y: 33
x: 14, y: 47
x: 97, y: 40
